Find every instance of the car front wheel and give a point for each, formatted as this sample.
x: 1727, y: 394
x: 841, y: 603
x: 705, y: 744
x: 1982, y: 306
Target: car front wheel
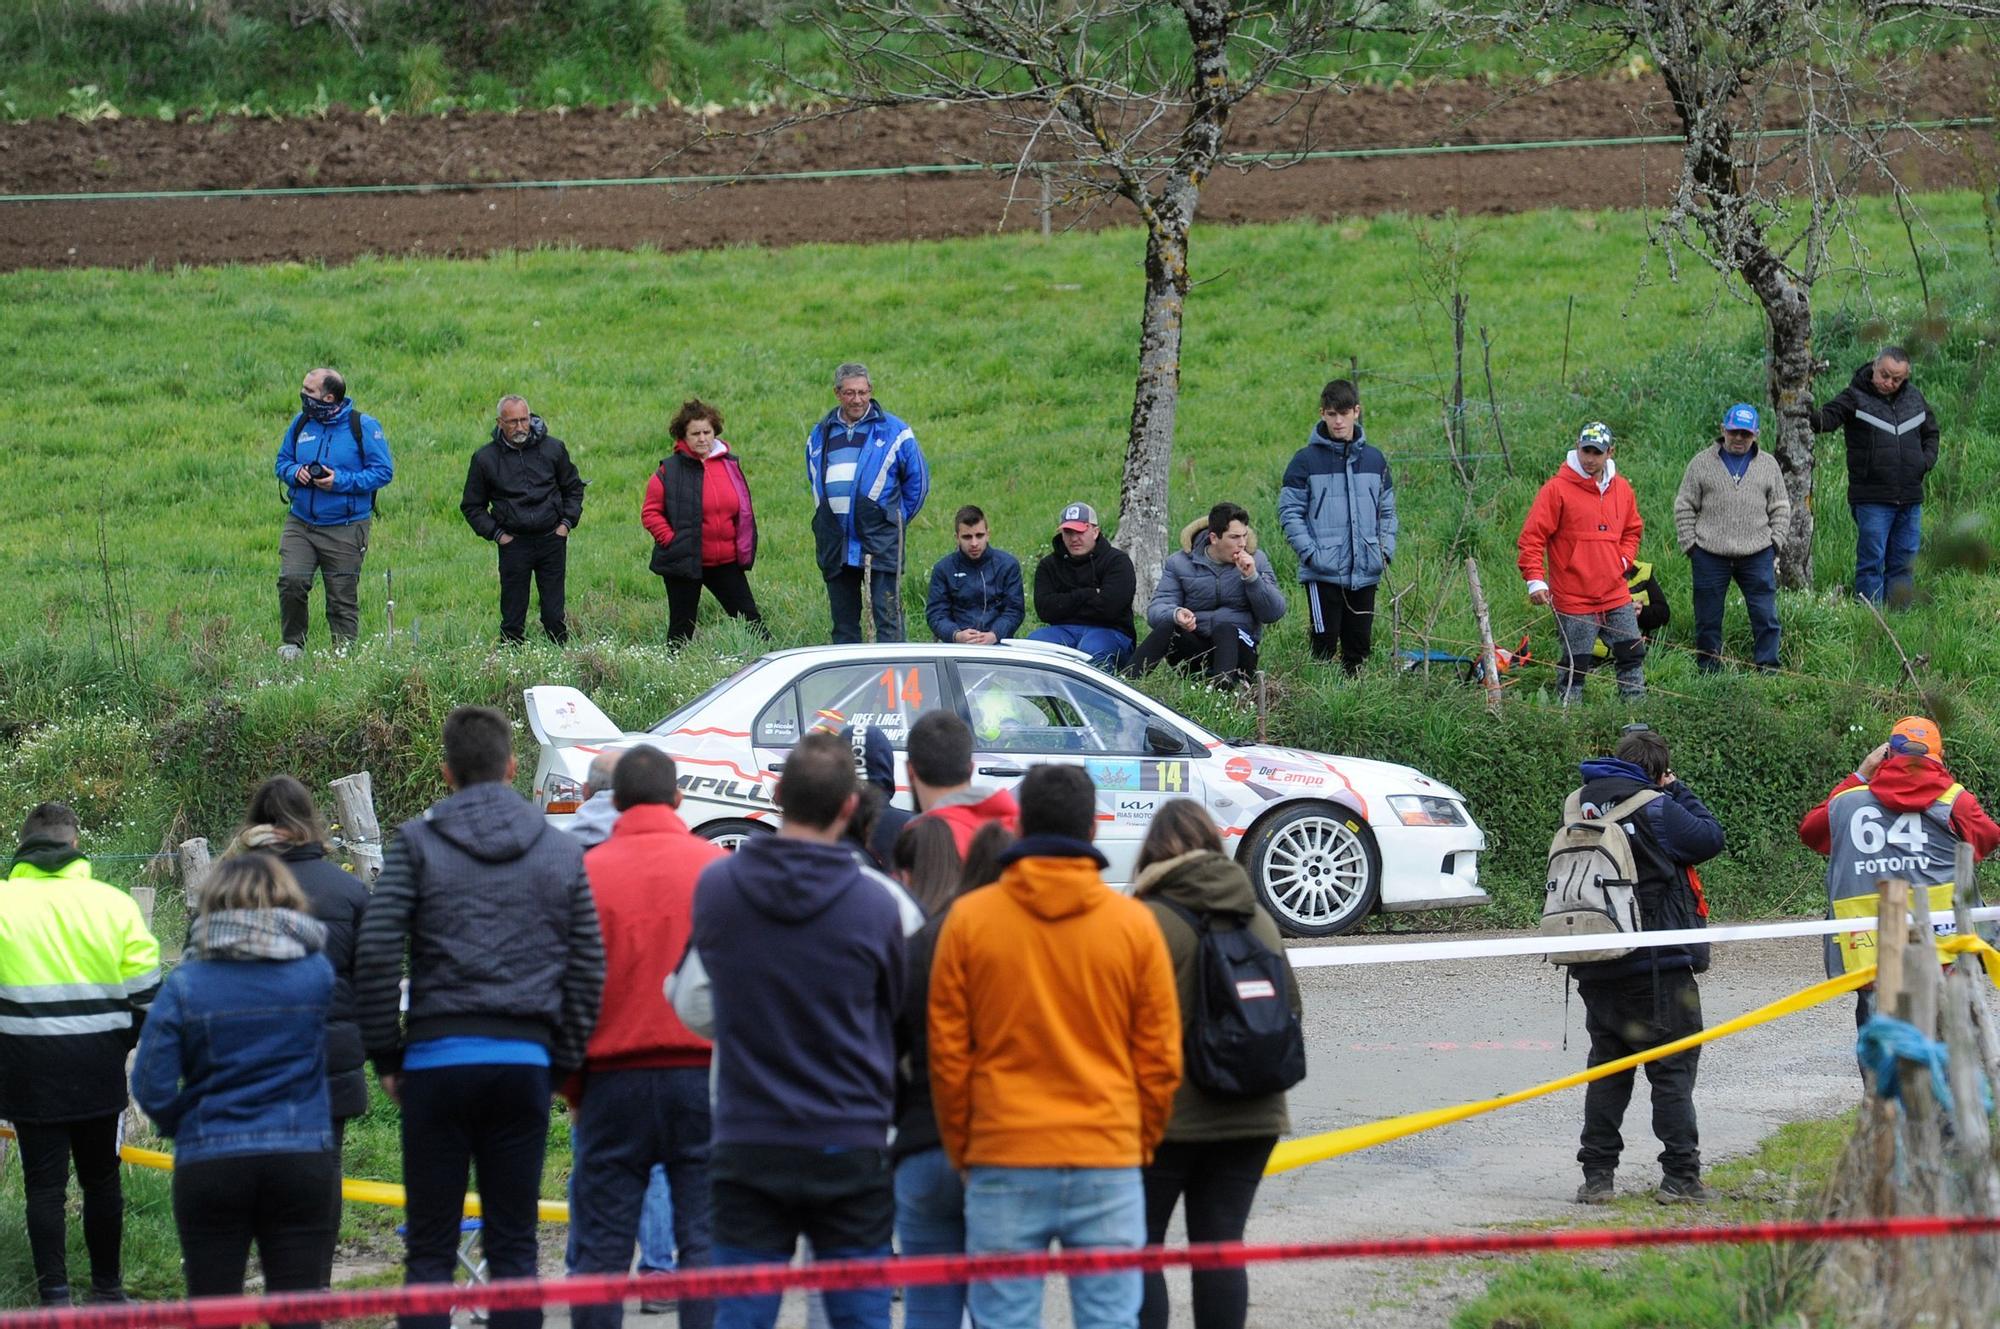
x: 731, y: 832
x: 1316, y: 868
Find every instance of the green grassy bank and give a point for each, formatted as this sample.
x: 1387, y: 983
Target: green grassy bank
x: 138, y: 674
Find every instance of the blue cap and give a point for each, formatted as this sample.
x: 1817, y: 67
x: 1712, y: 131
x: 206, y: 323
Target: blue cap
x: 1741, y: 416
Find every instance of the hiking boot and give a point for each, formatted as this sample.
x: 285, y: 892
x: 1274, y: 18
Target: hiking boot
x: 1683, y: 1190
x: 290, y: 652
x: 1597, y: 1188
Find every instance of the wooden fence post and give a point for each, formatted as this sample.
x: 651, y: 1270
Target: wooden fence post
x: 1489, y: 659
x: 144, y: 897
x: 194, y: 860
x: 360, y: 832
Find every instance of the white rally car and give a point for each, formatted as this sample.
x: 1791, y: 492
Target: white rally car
x: 1327, y: 840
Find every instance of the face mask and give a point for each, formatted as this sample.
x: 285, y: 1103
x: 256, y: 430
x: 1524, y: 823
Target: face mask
x: 320, y: 412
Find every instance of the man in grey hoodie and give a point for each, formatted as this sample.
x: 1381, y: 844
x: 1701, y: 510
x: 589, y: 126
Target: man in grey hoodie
x: 506, y: 972
x: 1213, y: 601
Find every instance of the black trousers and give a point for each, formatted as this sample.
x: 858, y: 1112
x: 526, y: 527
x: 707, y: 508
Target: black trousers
x: 1630, y: 1015
x: 279, y: 1201
x: 455, y: 1119
x: 1226, y: 656
x: 47, y: 1149
x: 1219, y: 1179
x: 727, y: 582
x: 543, y: 558
x: 1342, y: 616
x: 843, y: 597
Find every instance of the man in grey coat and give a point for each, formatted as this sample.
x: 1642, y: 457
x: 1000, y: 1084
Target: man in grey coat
x: 1338, y: 509
x: 1212, y: 602
x: 1731, y: 511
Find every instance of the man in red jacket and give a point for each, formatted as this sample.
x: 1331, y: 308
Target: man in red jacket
x: 1898, y: 814
x: 940, y: 766
x: 1581, y: 534
x: 642, y: 1098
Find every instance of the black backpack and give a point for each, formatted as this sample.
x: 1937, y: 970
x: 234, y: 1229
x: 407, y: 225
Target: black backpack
x: 1241, y: 1038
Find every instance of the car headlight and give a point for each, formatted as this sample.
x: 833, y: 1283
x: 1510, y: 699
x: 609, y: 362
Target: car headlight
x: 1426, y: 810
x: 562, y: 794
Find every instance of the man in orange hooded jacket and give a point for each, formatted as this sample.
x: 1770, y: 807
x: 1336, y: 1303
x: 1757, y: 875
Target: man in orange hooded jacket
x: 1898, y: 814
x: 1055, y: 1043
x: 1580, y: 536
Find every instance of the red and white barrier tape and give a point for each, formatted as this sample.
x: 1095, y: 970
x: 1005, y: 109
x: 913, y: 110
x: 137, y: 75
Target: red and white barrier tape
x: 844, y: 1275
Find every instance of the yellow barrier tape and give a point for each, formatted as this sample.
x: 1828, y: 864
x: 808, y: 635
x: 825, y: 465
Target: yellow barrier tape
x: 1310, y: 1149
x: 385, y: 1193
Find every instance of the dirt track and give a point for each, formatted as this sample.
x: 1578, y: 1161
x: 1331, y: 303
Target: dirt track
x: 66, y: 157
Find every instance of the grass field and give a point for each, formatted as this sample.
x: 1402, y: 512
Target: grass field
x: 88, y: 59
x: 137, y: 624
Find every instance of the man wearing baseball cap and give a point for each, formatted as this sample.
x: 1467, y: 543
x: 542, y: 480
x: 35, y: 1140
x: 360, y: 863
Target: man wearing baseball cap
x: 1579, y: 538
x: 1899, y: 814
x: 1730, y: 513
x: 1084, y: 589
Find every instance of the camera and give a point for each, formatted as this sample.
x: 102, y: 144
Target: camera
x: 317, y: 471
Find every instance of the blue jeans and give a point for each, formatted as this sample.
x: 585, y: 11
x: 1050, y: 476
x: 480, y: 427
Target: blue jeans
x: 843, y: 597
x: 1886, y: 539
x: 628, y: 1123
x: 768, y: 1196
x: 1107, y: 648
x: 656, y: 1226
x: 930, y: 1220
x: 1757, y: 574
x: 1024, y: 1209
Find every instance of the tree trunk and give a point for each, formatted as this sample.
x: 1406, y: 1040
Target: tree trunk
x: 1149, y: 447
x: 1787, y: 305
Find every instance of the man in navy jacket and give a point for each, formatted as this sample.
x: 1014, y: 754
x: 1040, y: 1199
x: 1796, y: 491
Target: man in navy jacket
x: 331, y: 462
x: 976, y: 597
x: 1648, y: 997
x: 796, y: 970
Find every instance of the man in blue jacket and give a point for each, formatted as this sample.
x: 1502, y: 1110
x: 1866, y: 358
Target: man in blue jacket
x: 795, y: 970
x: 868, y: 482
x: 1338, y: 510
x: 1648, y: 997
x: 332, y: 460
x: 976, y: 597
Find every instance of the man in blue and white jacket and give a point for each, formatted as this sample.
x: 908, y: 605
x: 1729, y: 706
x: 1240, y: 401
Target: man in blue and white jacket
x: 1338, y: 509
x: 332, y: 460
x: 869, y: 482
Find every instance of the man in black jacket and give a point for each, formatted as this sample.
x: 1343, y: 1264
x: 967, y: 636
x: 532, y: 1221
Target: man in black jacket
x: 1084, y: 588
x: 1648, y: 997
x: 506, y: 971
x: 1892, y: 444
x: 522, y: 493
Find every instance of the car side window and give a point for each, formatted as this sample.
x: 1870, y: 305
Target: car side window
x: 888, y: 697
x: 778, y: 726
x: 1018, y: 708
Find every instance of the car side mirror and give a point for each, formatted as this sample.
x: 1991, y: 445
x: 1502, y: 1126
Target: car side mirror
x: 1164, y: 740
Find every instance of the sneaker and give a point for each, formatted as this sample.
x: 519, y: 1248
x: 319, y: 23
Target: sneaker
x: 659, y: 1306
x: 291, y: 652
x: 56, y: 1296
x: 1683, y: 1190
x: 106, y: 1296
x: 1597, y: 1188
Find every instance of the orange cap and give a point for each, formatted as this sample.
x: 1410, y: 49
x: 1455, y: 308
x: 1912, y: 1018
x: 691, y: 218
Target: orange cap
x: 1914, y: 736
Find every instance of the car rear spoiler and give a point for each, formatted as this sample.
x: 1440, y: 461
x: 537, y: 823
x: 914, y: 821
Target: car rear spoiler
x: 565, y: 718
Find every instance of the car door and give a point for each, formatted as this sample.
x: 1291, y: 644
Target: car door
x: 1024, y: 715
x: 856, y: 695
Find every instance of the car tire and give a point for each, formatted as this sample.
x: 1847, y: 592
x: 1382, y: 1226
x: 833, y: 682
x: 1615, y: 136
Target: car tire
x: 1316, y: 868
x: 731, y: 831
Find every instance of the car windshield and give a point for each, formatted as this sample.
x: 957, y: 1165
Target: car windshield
x: 682, y: 714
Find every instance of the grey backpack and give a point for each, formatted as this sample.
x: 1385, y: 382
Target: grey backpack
x: 1593, y: 882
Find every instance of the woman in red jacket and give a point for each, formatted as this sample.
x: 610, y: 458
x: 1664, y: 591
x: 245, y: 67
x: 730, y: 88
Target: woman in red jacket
x: 704, y: 530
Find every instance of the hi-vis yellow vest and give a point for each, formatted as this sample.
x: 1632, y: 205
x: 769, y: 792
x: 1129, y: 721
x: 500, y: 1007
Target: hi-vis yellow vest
x: 1871, y: 843
x: 75, y: 955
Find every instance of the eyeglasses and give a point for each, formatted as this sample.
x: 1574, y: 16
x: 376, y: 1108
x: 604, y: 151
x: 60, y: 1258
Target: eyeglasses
x: 853, y: 394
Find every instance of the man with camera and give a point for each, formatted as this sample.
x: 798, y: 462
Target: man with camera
x: 331, y: 462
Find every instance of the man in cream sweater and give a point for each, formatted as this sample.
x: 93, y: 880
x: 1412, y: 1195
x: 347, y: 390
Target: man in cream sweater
x: 1730, y: 511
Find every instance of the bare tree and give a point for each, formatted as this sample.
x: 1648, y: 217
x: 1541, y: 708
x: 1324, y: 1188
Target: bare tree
x: 1781, y: 123
x: 1113, y: 99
